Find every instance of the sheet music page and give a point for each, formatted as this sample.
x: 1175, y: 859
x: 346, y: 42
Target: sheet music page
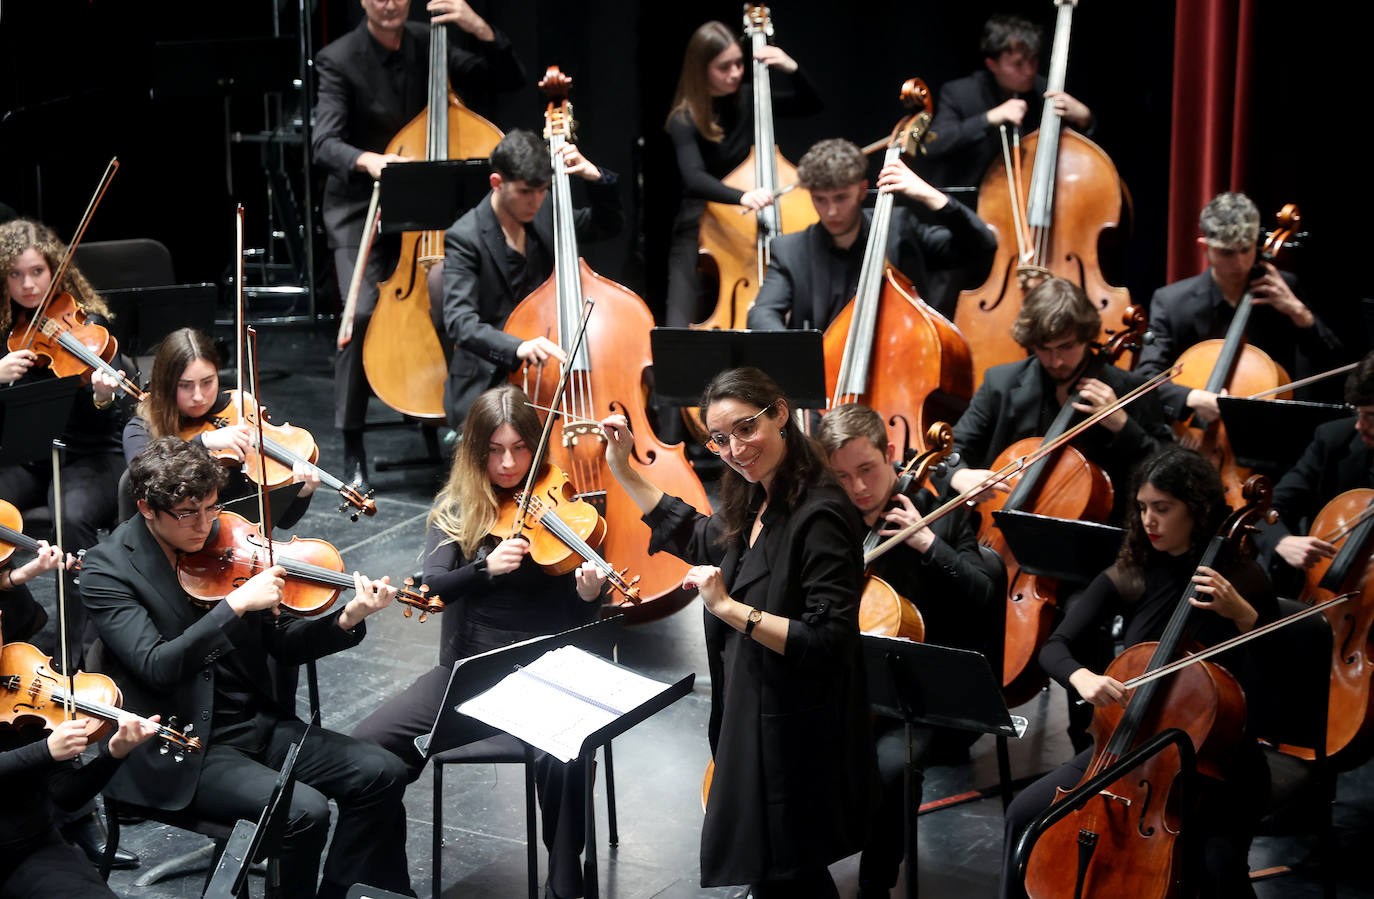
x: 561, y: 698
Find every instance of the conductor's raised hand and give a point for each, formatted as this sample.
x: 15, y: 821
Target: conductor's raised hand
x: 620, y: 443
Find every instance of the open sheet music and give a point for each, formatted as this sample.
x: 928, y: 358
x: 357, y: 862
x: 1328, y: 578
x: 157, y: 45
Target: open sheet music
x: 560, y: 699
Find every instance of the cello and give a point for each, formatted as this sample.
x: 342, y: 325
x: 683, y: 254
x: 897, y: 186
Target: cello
x: 736, y: 242
x: 605, y: 375
x: 1123, y: 842
x: 402, y: 356
x: 1235, y: 366
x: 886, y: 348
x: 1048, y: 227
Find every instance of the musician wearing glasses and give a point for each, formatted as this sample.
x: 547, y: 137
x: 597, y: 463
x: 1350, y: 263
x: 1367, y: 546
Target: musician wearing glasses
x: 210, y: 668
x: 778, y: 567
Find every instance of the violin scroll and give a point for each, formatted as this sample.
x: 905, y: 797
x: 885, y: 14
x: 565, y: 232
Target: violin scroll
x: 1131, y: 338
x: 418, y: 599
x: 1242, y: 524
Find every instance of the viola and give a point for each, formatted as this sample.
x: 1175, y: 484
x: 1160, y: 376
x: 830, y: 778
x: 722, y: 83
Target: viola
x: 1347, y: 521
x: 1049, y: 226
x: 68, y: 343
x: 286, y: 446
x: 12, y: 536
x: 561, y: 530
x: 886, y: 348
x: 1124, y: 841
x: 605, y: 374
x: 315, y: 573
x: 31, y: 689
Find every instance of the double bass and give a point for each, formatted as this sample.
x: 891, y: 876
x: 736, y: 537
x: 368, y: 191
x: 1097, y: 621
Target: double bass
x: 605, y: 375
x: 402, y: 356
x: 886, y: 348
x: 1048, y: 227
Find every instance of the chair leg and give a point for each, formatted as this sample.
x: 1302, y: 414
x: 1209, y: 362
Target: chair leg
x: 610, y: 798
x: 531, y: 825
x: 437, y: 833
x: 111, y: 838
x: 1004, y: 772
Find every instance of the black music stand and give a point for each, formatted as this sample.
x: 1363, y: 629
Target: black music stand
x: 1061, y: 548
x: 145, y: 315
x: 250, y: 843
x: 477, y: 674
x: 430, y: 196
x: 1271, y: 435
x: 31, y: 415
x: 686, y: 359
x: 935, y: 686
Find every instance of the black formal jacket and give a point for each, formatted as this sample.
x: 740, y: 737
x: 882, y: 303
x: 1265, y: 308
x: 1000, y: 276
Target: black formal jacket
x: 1016, y: 400
x: 358, y: 109
x: 161, y: 649
x: 478, y: 298
x: 952, y: 238
x: 795, y: 770
x: 1192, y: 310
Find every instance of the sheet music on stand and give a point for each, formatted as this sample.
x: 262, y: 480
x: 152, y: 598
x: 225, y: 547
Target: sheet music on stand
x: 559, y: 700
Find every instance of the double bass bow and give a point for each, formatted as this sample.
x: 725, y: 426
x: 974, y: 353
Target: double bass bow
x: 886, y: 348
x: 1047, y: 227
x: 605, y: 375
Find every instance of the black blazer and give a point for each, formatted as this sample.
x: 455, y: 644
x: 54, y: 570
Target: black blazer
x: 1192, y: 310
x: 1015, y: 401
x: 954, y: 237
x: 357, y: 108
x: 790, y: 733
x: 161, y: 650
x: 478, y: 298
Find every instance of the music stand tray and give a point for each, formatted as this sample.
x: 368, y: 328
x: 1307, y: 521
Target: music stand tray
x: 1271, y: 435
x: 32, y: 415
x: 145, y: 315
x: 430, y: 196
x: 686, y: 359
x: 1061, y: 548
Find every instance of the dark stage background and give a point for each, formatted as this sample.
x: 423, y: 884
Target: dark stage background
x: 77, y: 81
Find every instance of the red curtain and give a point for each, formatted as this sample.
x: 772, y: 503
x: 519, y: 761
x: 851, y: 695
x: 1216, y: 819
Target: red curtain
x: 1213, y: 78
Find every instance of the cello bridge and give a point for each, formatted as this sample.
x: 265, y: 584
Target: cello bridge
x: 1031, y: 276
x: 577, y: 430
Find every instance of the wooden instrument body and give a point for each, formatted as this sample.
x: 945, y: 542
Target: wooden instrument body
x: 1071, y: 487
x: 28, y: 682
x: 238, y: 551
x: 402, y: 356
x: 887, y: 613
x: 554, y: 493
x: 1351, y: 708
x: 921, y: 370
x: 1090, y: 200
x: 284, y: 436
x: 63, y: 322
x: 1137, y: 853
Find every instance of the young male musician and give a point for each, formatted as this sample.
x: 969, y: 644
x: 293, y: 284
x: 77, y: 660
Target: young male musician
x: 939, y: 569
x: 1057, y: 325
x: 813, y: 273
x: 1201, y: 307
x: 1007, y: 91
x: 373, y: 81
x: 209, y: 668
x: 499, y: 252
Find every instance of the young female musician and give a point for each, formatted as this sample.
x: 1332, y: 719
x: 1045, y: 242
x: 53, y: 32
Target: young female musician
x: 778, y: 568
x: 497, y: 595
x: 712, y: 128
x: 184, y: 393
x: 1180, y: 505
x: 29, y: 254
x: 22, y: 615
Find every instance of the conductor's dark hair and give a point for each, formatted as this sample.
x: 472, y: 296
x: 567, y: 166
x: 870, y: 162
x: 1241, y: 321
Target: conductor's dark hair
x: 1359, y: 384
x: 522, y: 156
x: 1188, y: 477
x: 169, y: 470
x: 1007, y: 34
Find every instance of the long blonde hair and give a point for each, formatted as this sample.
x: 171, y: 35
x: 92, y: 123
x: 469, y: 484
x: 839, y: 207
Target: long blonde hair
x: 467, y: 506
x: 25, y: 234
x: 693, y: 96
x: 176, y: 351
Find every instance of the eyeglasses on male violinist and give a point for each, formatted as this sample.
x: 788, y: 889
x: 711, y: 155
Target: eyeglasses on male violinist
x: 186, y: 519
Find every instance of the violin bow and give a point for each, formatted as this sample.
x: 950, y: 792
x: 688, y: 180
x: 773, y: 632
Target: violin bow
x: 264, y: 495
x: 68, y: 704
x: 55, y: 284
x: 1302, y: 382
x: 355, y: 283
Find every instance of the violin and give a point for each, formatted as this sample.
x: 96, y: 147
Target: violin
x: 1347, y: 521
x: 1124, y: 841
x: 886, y: 348
x: 605, y: 374
x: 314, y: 578
x: 1235, y: 366
x: 561, y: 529
x: 1051, y: 226
x: 30, y: 689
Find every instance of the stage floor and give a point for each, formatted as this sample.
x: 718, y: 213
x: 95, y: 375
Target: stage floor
x: 658, y: 766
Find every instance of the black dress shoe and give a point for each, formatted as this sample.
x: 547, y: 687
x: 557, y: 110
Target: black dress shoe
x: 87, y: 833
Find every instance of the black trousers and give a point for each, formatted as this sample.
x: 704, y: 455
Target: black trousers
x: 816, y: 884
x: 351, y: 390
x: 20, y: 615
x: 367, y: 783
x: 561, y: 788
x: 90, y: 487
x: 49, y: 867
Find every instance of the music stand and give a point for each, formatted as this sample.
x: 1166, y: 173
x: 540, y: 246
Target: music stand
x: 250, y: 843
x: 31, y: 415
x: 934, y: 686
x: 686, y: 359
x: 430, y: 196
x: 1062, y: 548
x: 145, y: 315
x: 1271, y: 435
